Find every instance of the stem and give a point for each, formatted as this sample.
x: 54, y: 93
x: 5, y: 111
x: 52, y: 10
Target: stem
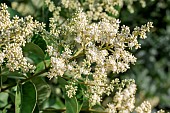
x: 62, y: 23
x: 34, y: 75
x: 78, y: 53
x: 88, y: 84
x: 25, y: 80
x: 64, y: 109
x: 107, y: 47
x: 111, y: 50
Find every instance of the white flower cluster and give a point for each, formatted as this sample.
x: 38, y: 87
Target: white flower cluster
x: 90, y: 51
x: 124, y: 99
x: 71, y: 4
x: 71, y: 89
x: 53, y: 8
x: 95, y: 9
x: 14, y: 34
x: 16, y: 60
x: 81, y: 50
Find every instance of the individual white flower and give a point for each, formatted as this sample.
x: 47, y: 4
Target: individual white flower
x: 78, y: 39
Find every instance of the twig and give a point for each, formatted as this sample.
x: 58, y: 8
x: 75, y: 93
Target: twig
x: 25, y: 80
x: 64, y: 109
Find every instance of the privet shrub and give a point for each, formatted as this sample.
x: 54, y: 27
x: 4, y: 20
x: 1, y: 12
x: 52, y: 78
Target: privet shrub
x: 81, y: 49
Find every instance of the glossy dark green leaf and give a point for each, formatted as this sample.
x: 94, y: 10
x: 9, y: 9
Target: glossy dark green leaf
x: 29, y: 98
x: 38, y: 40
x: 62, y: 82
x: 43, y: 89
x: 33, y: 52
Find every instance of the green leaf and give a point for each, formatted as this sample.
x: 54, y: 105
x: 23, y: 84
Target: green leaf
x: 53, y: 102
x: 13, y: 12
x: 18, y: 100
x: 12, y: 95
x: 5, y: 110
x: 3, y: 99
x: 71, y: 104
x: 62, y: 83
x: 79, y: 96
x: 38, y: 40
x: 58, y: 104
x: 80, y: 105
x: 2, y: 79
x: 36, y: 110
x: 98, y: 107
x: 43, y: 89
x: 42, y: 65
x: 33, y: 52
x: 13, y: 75
x: 85, y: 103
x: 29, y: 98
